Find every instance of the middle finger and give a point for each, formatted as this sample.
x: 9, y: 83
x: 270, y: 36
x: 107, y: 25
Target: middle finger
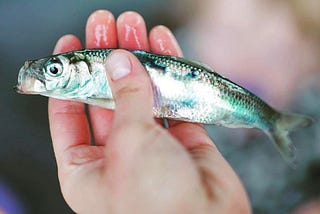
x: 101, y: 33
x: 132, y: 31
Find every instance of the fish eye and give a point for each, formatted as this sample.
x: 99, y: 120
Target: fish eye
x: 54, y: 69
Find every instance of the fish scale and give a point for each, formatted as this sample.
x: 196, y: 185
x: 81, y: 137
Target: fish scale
x: 183, y: 90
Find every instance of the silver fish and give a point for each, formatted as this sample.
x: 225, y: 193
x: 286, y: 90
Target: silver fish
x: 183, y: 90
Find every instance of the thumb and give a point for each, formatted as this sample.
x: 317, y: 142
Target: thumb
x: 131, y: 88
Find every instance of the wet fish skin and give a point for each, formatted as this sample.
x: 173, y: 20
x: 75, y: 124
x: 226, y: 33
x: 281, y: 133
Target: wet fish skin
x: 183, y: 90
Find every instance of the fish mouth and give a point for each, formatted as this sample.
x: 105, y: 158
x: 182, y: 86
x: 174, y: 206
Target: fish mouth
x: 28, y: 81
x: 30, y: 86
x: 24, y: 90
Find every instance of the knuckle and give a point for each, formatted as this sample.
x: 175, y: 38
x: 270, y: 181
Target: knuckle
x: 127, y: 91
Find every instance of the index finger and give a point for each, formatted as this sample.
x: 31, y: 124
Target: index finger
x: 68, y: 122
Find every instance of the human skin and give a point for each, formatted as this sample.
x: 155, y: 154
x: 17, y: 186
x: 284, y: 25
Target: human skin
x: 136, y: 165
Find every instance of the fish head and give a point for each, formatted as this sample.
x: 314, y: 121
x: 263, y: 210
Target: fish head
x: 47, y: 76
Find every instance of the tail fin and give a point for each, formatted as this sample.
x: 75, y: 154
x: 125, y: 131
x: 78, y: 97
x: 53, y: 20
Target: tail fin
x: 283, y: 126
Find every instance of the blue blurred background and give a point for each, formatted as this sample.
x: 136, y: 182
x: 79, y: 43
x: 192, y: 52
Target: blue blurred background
x: 270, y: 47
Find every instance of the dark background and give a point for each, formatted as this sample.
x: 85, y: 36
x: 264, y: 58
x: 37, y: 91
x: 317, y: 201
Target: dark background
x: 28, y: 176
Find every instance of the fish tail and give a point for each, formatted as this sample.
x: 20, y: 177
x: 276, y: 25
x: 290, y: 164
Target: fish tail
x: 279, y: 133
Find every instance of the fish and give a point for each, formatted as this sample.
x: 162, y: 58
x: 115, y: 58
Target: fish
x: 183, y: 89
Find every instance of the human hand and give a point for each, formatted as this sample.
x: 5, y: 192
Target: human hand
x: 136, y: 166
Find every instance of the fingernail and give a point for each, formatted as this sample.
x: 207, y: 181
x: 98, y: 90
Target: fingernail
x: 118, y: 65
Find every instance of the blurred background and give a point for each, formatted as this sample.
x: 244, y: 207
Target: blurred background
x: 270, y: 47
